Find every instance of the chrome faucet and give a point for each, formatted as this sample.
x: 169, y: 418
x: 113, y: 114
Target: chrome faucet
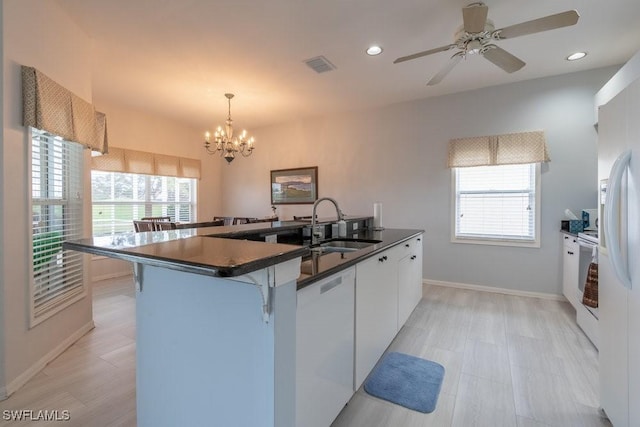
x: 314, y: 235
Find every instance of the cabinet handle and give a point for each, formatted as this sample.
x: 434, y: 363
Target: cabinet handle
x: 384, y: 257
x: 406, y: 246
x: 413, y: 257
x: 419, y: 240
x: 570, y: 253
x: 381, y: 259
x: 566, y: 237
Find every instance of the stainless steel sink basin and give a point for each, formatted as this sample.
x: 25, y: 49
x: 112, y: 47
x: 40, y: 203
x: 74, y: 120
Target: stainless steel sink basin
x: 344, y: 245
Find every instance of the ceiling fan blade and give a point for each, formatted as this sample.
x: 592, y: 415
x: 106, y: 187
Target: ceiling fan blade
x: 502, y: 58
x: 424, y: 53
x: 474, y: 17
x: 446, y: 69
x: 551, y: 22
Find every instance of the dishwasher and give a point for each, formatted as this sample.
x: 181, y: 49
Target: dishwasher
x: 324, y: 348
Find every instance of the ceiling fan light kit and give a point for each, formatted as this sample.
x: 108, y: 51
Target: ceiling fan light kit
x: 478, y: 35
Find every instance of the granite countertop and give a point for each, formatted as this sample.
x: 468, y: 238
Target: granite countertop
x: 219, y: 251
x: 196, y: 250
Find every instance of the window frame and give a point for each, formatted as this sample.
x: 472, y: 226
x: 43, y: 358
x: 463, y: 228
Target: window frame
x: 148, y: 204
x: 493, y: 241
x: 58, y: 303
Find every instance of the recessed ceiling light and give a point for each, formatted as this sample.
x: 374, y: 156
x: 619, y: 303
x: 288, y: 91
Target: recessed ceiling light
x: 576, y: 56
x: 374, y: 50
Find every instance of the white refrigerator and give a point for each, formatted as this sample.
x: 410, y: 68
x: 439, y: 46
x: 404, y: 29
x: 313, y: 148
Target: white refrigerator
x: 619, y: 261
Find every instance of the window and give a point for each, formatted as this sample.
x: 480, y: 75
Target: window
x: 56, y: 200
x: 497, y: 204
x: 119, y: 198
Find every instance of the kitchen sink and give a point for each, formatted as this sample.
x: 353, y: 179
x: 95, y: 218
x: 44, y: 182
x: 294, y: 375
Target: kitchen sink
x: 344, y: 245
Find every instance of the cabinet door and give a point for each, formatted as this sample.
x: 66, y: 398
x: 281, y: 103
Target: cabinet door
x: 409, y: 280
x: 376, y: 312
x: 570, y: 269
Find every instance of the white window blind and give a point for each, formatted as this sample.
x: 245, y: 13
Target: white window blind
x: 120, y: 198
x: 496, y: 203
x: 56, y: 199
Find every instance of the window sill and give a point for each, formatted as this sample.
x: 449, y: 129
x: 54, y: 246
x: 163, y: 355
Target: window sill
x: 497, y: 242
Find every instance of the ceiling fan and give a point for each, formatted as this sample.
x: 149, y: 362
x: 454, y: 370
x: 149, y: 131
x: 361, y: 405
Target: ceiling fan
x: 477, y: 35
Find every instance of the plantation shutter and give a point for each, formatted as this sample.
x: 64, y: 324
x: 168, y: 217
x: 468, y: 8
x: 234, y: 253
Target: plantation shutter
x: 57, y: 216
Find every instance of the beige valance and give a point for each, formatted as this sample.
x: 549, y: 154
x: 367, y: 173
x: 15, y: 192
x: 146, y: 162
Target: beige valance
x: 50, y: 107
x: 507, y: 149
x: 142, y: 162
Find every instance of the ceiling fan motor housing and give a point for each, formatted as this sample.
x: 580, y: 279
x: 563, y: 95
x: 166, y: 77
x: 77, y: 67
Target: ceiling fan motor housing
x: 472, y: 43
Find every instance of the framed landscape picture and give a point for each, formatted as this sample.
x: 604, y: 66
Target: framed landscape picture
x: 294, y: 186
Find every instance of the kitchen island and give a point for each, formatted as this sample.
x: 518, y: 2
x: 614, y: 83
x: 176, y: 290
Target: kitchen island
x: 216, y: 318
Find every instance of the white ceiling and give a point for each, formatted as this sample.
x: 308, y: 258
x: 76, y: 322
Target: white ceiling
x: 178, y: 57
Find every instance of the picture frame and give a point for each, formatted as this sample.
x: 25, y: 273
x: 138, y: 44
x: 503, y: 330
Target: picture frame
x: 296, y: 186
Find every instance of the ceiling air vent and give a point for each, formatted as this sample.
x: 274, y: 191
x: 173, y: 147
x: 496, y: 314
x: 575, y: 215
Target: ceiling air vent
x: 320, y: 64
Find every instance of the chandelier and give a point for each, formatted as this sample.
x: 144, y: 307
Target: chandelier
x: 225, y: 143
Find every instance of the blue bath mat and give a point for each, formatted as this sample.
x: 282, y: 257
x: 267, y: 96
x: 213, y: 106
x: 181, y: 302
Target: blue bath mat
x: 408, y: 381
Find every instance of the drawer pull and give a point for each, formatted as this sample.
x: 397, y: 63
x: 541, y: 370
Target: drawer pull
x: 406, y: 246
x: 570, y: 253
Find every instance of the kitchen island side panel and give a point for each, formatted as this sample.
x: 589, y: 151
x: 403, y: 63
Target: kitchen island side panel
x: 205, y: 355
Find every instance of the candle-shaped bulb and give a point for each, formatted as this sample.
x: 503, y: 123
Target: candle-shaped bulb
x: 207, y: 136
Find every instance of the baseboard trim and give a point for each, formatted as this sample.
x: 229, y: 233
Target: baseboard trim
x: 494, y: 290
x: 25, y: 376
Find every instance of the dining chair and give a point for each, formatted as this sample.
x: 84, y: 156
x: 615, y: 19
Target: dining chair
x: 156, y: 218
x: 140, y: 225
x: 164, y: 225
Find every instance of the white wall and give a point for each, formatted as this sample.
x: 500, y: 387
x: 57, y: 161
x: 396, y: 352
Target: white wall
x: 39, y: 34
x: 397, y: 155
x: 3, y: 391
x: 143, y: 131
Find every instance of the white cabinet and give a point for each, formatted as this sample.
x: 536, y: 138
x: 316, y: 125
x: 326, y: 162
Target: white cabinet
x: 409, y: 279
x: 376, y: 311
x: 324, y: 349
x: 570, y: 268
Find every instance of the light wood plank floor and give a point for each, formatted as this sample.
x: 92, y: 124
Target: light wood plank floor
x: 510, y: 361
